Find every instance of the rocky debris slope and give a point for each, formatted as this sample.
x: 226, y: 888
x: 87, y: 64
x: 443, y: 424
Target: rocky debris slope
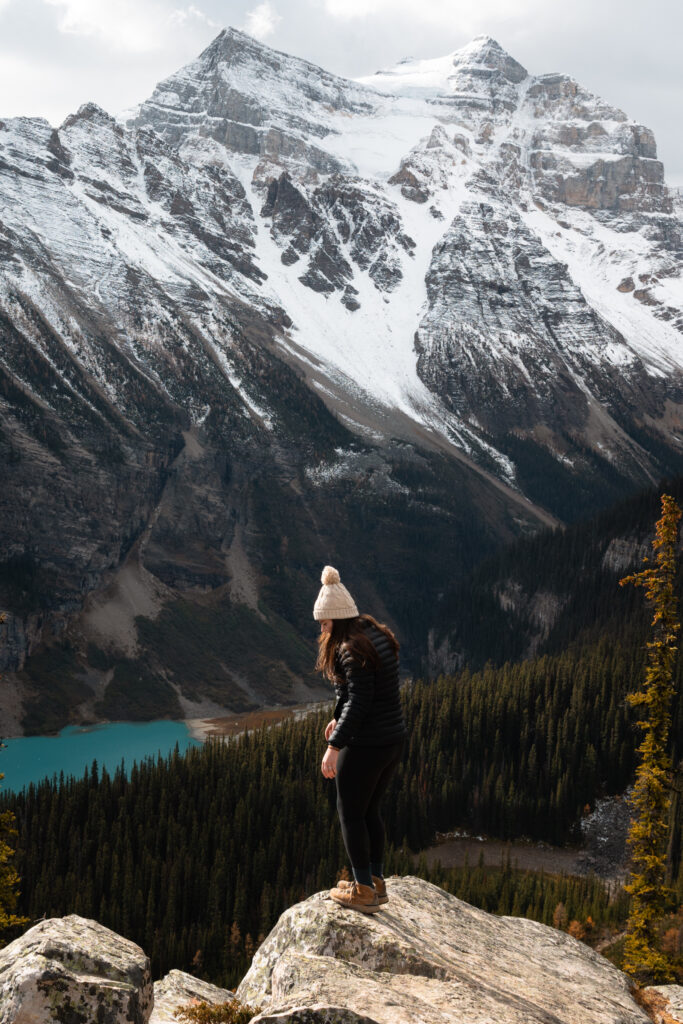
x: 278, y: 306
x: 605, y: 831
x: 431, y: 957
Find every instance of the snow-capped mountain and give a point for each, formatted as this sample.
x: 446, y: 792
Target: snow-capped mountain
x: 504, y: 247
x: 275, y: 308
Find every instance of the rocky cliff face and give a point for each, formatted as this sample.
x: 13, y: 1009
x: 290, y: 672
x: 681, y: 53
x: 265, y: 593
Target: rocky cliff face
x: 425, y: 956
x: 279, y: 318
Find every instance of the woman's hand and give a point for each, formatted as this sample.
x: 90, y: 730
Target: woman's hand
x: 329, y: 763
x: 330, y: 727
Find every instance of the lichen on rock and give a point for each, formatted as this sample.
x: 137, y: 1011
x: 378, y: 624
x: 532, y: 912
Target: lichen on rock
x: 429, y: 957
x: 71, y: 970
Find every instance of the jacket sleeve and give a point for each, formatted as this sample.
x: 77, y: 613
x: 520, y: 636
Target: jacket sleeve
x: 360, y: 685
x: 340, y: 690
x: 341, y: 701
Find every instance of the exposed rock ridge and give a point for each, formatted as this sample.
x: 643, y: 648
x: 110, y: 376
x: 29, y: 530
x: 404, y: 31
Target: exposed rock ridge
x: 427, y: 957
x: 431, y: 957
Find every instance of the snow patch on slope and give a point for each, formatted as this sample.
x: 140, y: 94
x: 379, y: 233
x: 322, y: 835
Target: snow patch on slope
x: 374, y: 144
x: 598, y: 262
x: 370, y: 353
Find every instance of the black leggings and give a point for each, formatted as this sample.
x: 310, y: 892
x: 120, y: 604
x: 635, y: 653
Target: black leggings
x: 363, y: 774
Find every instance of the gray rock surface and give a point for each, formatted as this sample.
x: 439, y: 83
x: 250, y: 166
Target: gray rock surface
x: 430, y: 957
x: 75, y: 971
x: 179, y: 989
x: 673, y: 995
x: 317, y: 1014
x: 605, y: 831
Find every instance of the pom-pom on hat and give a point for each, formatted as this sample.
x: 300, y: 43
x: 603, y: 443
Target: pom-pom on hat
x: 334, y: 600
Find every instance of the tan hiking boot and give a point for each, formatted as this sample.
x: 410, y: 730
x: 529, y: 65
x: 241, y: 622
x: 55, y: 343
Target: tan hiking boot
x: 356, y: 897
x: 379, y: 884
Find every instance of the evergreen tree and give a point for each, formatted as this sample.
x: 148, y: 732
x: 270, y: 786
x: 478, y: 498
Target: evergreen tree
x: 9, y: 878
x: 652, y: 790
x: 176, y: 852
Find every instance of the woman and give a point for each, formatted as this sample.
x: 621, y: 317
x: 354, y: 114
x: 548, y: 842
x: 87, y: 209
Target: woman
x: 366, y: 736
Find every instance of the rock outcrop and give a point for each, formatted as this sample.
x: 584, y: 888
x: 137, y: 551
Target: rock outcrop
x: 673, y: 999
x: 425, y: 958
x: 180, y: 989
x: 430, y: 957
x: 75, y: 971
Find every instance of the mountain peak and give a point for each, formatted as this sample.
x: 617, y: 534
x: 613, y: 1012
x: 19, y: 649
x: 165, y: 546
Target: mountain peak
x: 230, y: 35
x: 235, y: 54
x: 486, y: 51
x: 484, y: 38
x: 233, y: 45
x: 435, y: 75
x: 89, y: 112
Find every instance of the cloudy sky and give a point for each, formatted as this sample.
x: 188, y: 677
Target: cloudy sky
x: 57, y: 54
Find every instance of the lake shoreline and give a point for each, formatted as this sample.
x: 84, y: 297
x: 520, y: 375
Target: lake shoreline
x: 33, y: 759
x: 229, y: 726
x: 26, y: 760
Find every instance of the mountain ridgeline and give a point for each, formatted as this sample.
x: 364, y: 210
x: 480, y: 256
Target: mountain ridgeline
x: 278, y: 319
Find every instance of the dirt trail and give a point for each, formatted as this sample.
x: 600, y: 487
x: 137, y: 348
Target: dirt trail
x: 452, y: 853
x: 524, y: 854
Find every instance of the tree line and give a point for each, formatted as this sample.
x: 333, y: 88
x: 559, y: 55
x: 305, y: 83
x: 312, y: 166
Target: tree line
x: 492, y: 614
x: 195, y: 856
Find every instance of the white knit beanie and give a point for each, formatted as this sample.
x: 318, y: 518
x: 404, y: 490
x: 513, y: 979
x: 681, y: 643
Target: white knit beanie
x: 334, y: 600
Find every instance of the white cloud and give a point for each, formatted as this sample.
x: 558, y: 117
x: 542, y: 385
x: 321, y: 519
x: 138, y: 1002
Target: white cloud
x: 183, y: 16
x: 458, y: 15
x: 22, y: 84
x: 133, y: 26
x: 262, y: 21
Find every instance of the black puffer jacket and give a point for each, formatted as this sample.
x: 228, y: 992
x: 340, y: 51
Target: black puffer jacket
x: 368, y: 709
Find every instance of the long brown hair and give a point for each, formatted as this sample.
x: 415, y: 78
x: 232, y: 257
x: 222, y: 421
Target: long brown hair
x: 349, y: 634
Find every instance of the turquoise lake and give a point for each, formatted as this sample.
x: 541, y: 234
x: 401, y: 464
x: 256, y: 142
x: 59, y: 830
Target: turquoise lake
x: 29, y: 759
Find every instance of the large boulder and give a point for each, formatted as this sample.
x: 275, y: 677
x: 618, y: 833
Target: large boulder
x: 75, y: 971
x: 430, y: 957
x: 180, y: 989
